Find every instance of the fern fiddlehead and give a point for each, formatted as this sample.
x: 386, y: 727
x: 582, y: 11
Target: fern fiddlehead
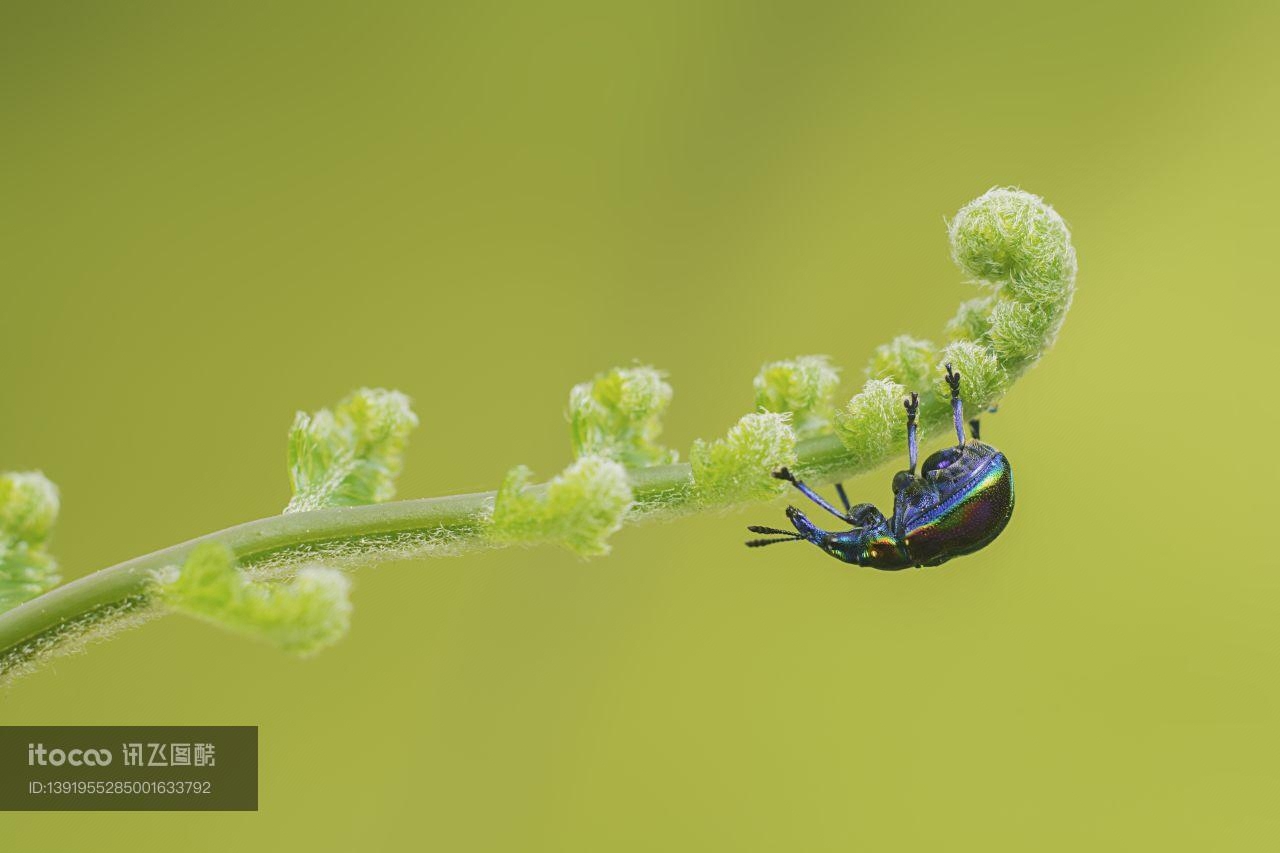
x: 276, y: 579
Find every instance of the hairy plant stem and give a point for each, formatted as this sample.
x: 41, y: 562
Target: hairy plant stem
x: 347, y: 459
x: 358, y: 533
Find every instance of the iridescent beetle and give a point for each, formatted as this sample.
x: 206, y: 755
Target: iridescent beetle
x: 958, y: 504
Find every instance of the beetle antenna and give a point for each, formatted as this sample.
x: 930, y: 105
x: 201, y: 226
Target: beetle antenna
x: 756, y: 528
x: 760, y: 543
x: 786, y: 536
x: 957, y: 407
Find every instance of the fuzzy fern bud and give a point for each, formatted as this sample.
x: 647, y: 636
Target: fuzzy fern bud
x: 28, y: 510
x: 1012, y: 239
x: 873, y: 425
x: 804, y: 386
x: 303, y: 616
x: 580, y: 508
x: 352, y: 454
x: 1016, y: 243
x: 618, y: 415
x: 740, y: 466
x: 906, y: 360
x: 973, y: 320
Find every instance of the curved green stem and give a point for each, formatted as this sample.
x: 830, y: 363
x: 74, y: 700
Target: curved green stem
x: 357, y: 534
x: 255, y: 544
x: 1008, y: 240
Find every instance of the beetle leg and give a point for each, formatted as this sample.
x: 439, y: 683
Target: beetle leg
x: 844, y: 499
x: 973, y: 424
x: 957, y: 408
x: 913, y: 445
x: 785, y: 474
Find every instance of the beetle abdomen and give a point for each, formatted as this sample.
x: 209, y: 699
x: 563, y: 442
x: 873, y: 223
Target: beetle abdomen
x: 966, y: 520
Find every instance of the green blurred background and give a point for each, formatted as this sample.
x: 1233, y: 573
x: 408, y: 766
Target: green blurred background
x: 213, y: 214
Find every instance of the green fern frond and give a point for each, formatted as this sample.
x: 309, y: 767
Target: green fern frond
x: 344, y: 462
x: 580, y: 508
x: 28, y: 510
x: 740, y: 466
x: 303, y: 616
x: 618, y: 415
x: 805, y: 386
x: 351, y: 455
